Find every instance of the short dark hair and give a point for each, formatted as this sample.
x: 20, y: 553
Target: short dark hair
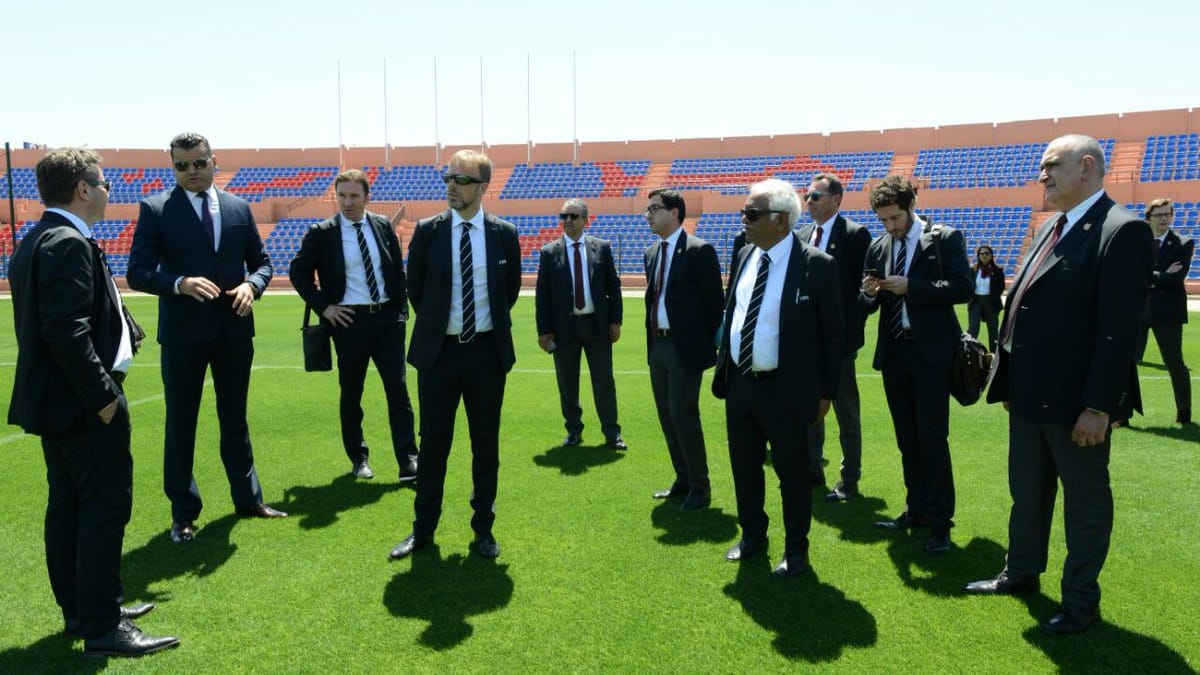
x: 670, y: 199
x: 353, y: 176
x: 59, y: 172
x: 188, y: 140
x: 835, y: 183
x: 893, y: 189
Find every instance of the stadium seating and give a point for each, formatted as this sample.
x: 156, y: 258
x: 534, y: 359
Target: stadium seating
x: 256, y: 183
x: 1171, y: 157
x: 24, y: 184
x: 562, y: 180
x: 283, y: 242
x: 130, y: 186
x: 732, y: 175
x: 985, y: 165
x: 403, y: 183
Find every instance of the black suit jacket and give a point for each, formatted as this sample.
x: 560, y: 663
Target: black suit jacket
x: 995, y: 296
x: 1168, y: 297
x: 933, y: 290
x: 694, y: 299
x: 429, y: 285
x: 321, y: 252
x: 848, y: 242
x: 68, y: 323
x: 1074, y: 340
x: 555, y: 298
x: 169, y: 242
x: 811, y: 331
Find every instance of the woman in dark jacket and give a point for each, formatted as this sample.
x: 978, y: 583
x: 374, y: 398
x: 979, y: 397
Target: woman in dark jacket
x: 985, y: 303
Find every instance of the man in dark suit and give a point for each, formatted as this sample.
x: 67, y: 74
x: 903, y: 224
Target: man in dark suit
x: 74, y: 348
x: 916, y: 274
x: 579, y: 310
x: 362, y: 295
x: 1067, y: 349
x: 683, y: 312
x: 779, y: 365
x: 192, y: 247
x: 464, y: 274
x: 846, y: 241
x: 1167, y: 310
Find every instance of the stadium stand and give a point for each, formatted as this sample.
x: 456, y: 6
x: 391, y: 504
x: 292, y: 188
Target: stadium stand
x: 732, y: 175
x: 283, y: 242
x: 1171, y: 157
x: 562, y: 180
x: 257, y: 183
x: 24, y: 184
x: 130, y: 186
x: 985, y: 165
x: 404, y: 183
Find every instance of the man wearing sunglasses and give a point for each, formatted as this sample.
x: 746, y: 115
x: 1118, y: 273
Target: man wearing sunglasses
x: 683, y: 313
x: 192, y: 248
x: 579, y: 310
x: 915, y: 275
x: 846, y: 242
x: 464, y: 274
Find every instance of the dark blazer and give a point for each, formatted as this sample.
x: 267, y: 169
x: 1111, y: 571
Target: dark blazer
x: 1168, y: 297
x: 68, y: 323
x: 556, y: 290
x: 321, y: 252
x: 169, y: 242
x: 811, y: 331
x: 694, y: 299
x: 1077, y: 333
x: 933, y: 290
x: 429, y: 285
x: 995, y: 296
x: 848, y: 242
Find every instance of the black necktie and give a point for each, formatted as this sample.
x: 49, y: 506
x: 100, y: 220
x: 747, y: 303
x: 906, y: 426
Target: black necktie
x: 896, y: 309
x: 658, y: 285
x: 368, y: 266
x: 580, y: 300
x: 468, y: 284
x: 746, y: 350
x: 210, y: 229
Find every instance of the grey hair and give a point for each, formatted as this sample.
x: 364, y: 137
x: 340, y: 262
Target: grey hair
x: 1080, y: 145
x: 579, y: 203
x: 781, y: 196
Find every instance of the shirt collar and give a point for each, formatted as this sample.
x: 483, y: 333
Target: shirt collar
x: 74, y: 219
x: 476, y: 220
x: 346, y: 222
x: 571, y: 242
x: 212, y: 193
x: 1081, y: 208
x: 828, y: 225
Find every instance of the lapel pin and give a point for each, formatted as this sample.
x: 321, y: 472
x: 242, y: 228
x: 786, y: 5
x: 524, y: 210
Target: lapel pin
x: 1087, y: 226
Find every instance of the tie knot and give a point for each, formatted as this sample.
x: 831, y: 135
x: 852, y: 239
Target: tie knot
x: 766, y: 258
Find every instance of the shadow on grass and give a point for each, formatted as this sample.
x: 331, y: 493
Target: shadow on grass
x: 445, y: 592
x: 52, y: 654
x: 578, y: 460
x: 942, y: 575
x: 800, y: 612
x: 852, y: 518
x: 161, y: 559
x: 1187, y: 432
x: 319, y: 506
x: 688, y: 527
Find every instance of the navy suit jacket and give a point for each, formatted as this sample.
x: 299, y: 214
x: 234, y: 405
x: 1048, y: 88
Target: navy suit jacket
x: 848, y: 242
x: 68, y: 323
x: 1168, y: 297
x: 429, y: 285
x: 556, y: 288
x: 169, y: 242
x: 694, y: 299
x: 1073, y: 342
x: 321, y: 252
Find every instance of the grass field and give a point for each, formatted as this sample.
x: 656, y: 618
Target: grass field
x: 594, y: 574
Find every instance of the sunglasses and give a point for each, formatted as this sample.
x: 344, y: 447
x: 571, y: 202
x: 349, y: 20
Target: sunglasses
x: 752, y: 214
x: 106, y: 184
x: 814, y: 196
x: 460, y: 179
x: 569, y: 216
x: 200, y: 163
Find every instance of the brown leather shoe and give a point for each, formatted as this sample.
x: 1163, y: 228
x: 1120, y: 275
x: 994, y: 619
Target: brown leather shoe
x: 261, y: 510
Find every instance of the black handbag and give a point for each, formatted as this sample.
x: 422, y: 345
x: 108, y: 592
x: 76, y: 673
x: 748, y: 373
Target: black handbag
x: 318, y: 354
x: 971, y: 369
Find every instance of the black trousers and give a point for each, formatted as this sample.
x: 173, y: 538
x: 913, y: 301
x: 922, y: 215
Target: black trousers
x: 755, y: 417
x: 918, y: 396
x: 183, y: 371
x: 471, y: 373
x: 377, y: 337
x: 586, y: 339
x: 90, y: 477
x: 981, y: 308
x: 677, y: 399
x: 1169, y: 337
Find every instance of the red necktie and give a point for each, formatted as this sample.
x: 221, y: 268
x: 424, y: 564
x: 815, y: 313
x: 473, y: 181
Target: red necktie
x: 579, y: 299
x: 658, y: 286
x: 817, y: 237
x: 1015, y: 304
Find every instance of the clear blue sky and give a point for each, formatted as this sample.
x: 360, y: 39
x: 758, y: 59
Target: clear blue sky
x: 265, y: 74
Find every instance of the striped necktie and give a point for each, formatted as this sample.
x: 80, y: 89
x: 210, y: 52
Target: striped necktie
x: 746, y: 349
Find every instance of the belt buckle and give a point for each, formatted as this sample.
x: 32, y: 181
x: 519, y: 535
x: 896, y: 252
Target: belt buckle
x: 662, y: 332
x: 374, y: 307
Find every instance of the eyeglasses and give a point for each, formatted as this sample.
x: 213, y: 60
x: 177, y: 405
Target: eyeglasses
x: 752, y: 214
x: 199, y: 163
x: 1162, y: 214
x: 569, y: 216
x: 655, y: 208
x: 460, y: 179
x: 106, y: 184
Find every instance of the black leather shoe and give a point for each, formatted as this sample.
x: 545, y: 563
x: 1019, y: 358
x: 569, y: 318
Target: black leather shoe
x: 617, y: 443
x: 902, y: 522
x: 938, y: 543
x: 408, y: 470
x: 746, y: 549
x: 842, y: 492
x: 133, y: 611
x: 261, y: 510
x: 1183, y: 416
x: 362, y: 470
x: 410, y: 543
x: 182, y: 533
x: 1071, y: 620
x: 572, y: 440
x: 677, y: 488
x: 128, y: 640
x: 791, y: 565
x: 1004, y: 584
x: 486, y: 545
x: 696, y: 500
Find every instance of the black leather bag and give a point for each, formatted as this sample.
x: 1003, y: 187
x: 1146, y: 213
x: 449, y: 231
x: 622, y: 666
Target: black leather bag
x: 970, y: 370
x: 318, y: 353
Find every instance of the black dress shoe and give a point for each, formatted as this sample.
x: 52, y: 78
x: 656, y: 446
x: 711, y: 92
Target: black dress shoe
x: 486, y: 545
x: 362, y: 470
x: 1004, y: 584
x: 572, y: 440
x: 182, y: 533
x: 128, y: 640
x: 133, y: 611
x: 696, y: 500
x: 1183, y: 416
x: 617, y: 443
x: 677, y: 488
x: 746, y: 549
x: 410, y: 543
x: 261, y: 510
x: 791, y: 565
x: 938, y: 543
x: 1071, y: 620
x: 842, y: 491
x: 408, y: 470
x: 902, y: 522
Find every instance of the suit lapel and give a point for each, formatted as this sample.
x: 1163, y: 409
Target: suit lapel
x: 797, y: 268
x: 676, y: 256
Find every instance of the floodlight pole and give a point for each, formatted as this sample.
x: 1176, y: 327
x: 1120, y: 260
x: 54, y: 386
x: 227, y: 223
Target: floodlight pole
x: 12, y: 207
